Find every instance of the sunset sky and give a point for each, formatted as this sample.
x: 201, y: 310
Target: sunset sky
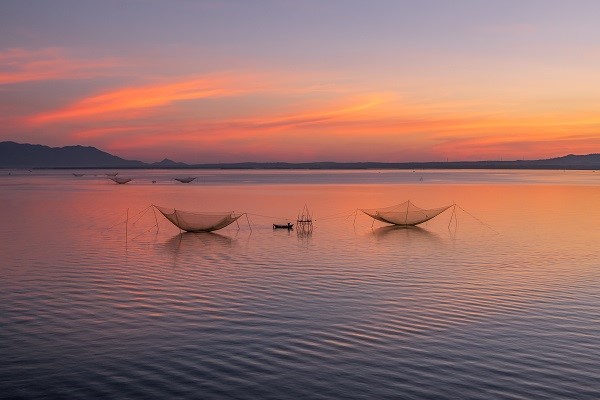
x: 233, y: 80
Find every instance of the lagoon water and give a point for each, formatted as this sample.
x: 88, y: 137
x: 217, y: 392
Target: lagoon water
x: 502, y: 301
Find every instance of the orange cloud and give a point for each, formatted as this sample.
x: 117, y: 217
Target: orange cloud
x: 132, y: 99
x: 238, y: 141
x: 519, y: 136
x: 223, y: 131
x: 323, y: 116
x: 507, y: 148
x: 265, y: 116
x: 22, y: 65
x: 106, y: 132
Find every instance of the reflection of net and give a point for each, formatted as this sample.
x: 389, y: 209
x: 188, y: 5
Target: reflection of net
x: 120, y: 180
x: 186, y: 180
x: 198, y: 222
x: 405, y: 214
x: 304, y: 224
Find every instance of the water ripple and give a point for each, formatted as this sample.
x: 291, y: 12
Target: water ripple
x: 349, y: 312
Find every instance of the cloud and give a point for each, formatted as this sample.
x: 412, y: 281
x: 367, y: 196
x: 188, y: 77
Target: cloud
x: 353, y: 133
x: 260, y: 116
x: 22, y: 65
x: 322, y: 116
x: 516, y: 142
x: 126, y: 102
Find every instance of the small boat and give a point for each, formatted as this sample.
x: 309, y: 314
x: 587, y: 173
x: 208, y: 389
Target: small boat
x: 120, y: 180
x: 77, y: 175
x: 283, y: 226
x: 186, y: 179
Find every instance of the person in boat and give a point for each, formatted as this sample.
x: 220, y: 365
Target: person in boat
x: 288, y: 226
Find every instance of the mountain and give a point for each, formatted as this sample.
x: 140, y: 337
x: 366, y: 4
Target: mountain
x: 18, y: 155
x: 166, y: 163
x: 589, y: 161
x: 572, y: 160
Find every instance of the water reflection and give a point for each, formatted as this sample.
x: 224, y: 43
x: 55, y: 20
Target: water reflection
x: 189, y: 242
x: 227, y: 314
x: 394, y: 233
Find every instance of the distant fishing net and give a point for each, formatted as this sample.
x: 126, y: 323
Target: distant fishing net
x: 404, y: 214
x: 198, y: 222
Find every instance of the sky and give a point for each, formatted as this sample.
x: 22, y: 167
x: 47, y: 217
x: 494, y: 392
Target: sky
x: 330, y: 80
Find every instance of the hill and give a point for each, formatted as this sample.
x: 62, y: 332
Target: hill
x: 166, y: 163
x: 18, y: 155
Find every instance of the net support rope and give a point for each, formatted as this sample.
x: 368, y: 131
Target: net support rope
x: 139, y: 215
x: 342, y: 214
x: 478, y: 220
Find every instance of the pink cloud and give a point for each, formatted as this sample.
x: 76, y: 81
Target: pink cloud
x: 128, y: 102
x: 22, y: 65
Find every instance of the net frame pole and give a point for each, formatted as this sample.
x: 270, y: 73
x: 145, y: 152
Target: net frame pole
x: 177, y: 218
x: 126, y: 227
x: 155, y: 218
x: 453, y: 215
x: 248, y: 220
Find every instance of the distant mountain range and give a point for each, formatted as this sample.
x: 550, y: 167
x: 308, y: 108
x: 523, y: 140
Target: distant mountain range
x: 18, y: 155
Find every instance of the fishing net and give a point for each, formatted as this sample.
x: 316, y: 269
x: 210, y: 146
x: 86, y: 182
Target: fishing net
x: 196, y: 221
x: 405, y: 214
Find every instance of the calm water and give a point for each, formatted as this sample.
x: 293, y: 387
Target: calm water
x: 352, y: 311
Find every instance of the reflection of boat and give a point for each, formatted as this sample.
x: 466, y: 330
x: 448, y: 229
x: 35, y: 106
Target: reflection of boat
x: 283, y: 226
x: 186, y: 179
x: 404, y: 214
x: 198, y: 221
x: 112, y: 175
x: 77, y: 175
x: 120, y: 180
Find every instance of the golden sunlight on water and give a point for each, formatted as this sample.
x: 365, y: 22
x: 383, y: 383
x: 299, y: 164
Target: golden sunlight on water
x: 500, y: 301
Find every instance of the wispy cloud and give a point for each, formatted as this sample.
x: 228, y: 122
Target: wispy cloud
x: 520, y: 136
x: 355, y: 136
x: 20, y: 65
x: 322, y: 116
x: 128, y: 100
x: 259, y: 116
x: 224, y: 129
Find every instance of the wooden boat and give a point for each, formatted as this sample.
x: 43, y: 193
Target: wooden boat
x: 283, y: 226
x: 77, y: 175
